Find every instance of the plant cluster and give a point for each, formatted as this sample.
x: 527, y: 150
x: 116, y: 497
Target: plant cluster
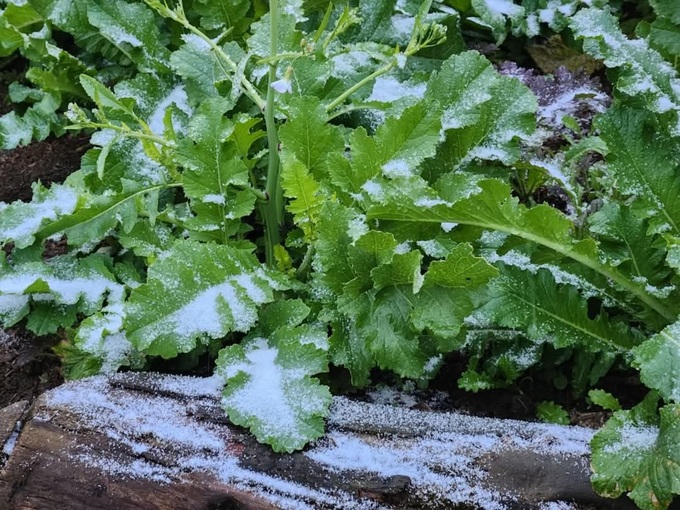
x: 289, y: 185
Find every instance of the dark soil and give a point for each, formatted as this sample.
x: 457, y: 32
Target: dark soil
x: 28, y: 367
x: 49, y: 161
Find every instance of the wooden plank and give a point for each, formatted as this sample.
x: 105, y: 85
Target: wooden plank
x: 157, y: 442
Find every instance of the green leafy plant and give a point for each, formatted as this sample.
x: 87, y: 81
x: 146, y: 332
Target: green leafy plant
x: 287, y: 190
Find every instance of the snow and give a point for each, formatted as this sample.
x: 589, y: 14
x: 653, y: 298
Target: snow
x: 438, y: 452
x: 119, y: 36
x: 448, y: 226
x: 431, y: 202
x: 357, y: 227
x: 67, y: 290
x: 263, y: 397
x: 21, y: 220
x: 504, y: 7
x: 403, y: 26
x: 60, y: 11
x: 202, y: 315
x: 11, y: 442
x: 402, y: 248
x: 346, y: 64
x: 374, y: 190
x: 396, y: 168
x: 433, y: 248
x: 634, y: 440
x: 388, y: 89
x: 176, y: 96
x: 196, y: 43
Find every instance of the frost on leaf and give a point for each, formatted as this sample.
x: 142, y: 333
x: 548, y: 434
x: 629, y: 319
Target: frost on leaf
x: 270, y: 391
x: 66, y: 281
x: 19, y: 221
x: 658, y: 359
x: 485, y: 115
x: 638, y: 453
x: 196, y: 290
x: 643, y: 71
x: 549, y: 312
x: 642, y: 158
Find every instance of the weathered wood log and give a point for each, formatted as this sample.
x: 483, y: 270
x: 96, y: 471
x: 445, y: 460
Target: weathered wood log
x: 162, y: 442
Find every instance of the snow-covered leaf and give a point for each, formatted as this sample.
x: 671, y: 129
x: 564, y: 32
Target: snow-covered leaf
x: 19, y: 221
x: 643, y: 72
x: 644, y: 160
x: 638, y: 453
x: 657, y: 360
x: 63, y: 281
x: 271, y: 392
x: 196, y: 290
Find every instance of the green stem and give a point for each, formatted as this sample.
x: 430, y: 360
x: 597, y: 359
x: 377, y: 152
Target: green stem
x: 306, y: 261
x: 273, y: 209
x: 127, y: 132
x: 340, y: 99
x: 180, y: 18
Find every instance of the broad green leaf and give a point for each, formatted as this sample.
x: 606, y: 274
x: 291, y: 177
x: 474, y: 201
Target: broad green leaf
x: 604, y: 399
x: 46, y: 317
x: 658, y: 359
x: 214, y: 173
x: 107, y: 100
x: 222, y: 14
x: 146, y: 240
x: 624, y: 241
x: 372, y: 249
x: 399, y: 146
x: 664, y: 35
x: 442, y: 304
x: 332, y: 266
x: 37, y: 122
x: 667, y: 8
x: 348, y: 349
x: 19, y: 221
x: 304, y: 194
x: 196, y: 290
x: 308, y: 137
x: 131, y: 27
x: 282, y: 313
x: 489, y: 205
x: 102, y: 336
x: 491, y: 131
x: 550, y: 412
x: 461, y: 87
x: 643, y: 72
x: 638, y: 453
x: 205, y: 75
x: 270, y: 391
x: 673, y: 252
x: 644, y: 162
x: 382, y: 321
x: 550, y: 312
x: 404, y: 268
